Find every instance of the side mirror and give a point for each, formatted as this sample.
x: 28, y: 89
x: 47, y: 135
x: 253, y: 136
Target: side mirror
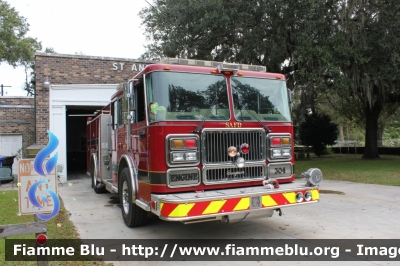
x: 131, y: 89
x: 132, y: 117
x: 131, y: 96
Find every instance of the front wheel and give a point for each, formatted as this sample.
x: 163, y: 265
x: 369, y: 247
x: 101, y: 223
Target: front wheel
x: 133, y: 215
x: 95, y: 183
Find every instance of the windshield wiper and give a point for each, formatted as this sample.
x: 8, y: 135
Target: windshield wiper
x: 199, y: 127
x: 240, y: 109
x: 256, y: 118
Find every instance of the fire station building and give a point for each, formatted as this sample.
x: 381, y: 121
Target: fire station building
x: 69, y: 88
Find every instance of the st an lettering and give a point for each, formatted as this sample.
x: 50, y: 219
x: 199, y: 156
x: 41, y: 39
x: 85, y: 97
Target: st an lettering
x: 118, y: 66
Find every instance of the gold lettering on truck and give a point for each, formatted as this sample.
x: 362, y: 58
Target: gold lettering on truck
x: 233, y: 125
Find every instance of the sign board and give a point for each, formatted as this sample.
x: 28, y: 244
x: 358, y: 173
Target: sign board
x: 27, y: 176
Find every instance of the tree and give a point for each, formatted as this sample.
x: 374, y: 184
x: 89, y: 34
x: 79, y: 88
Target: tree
x: 365, y: 46
x: 348, y: 48
x: 252, y: 32
x: 318, y: 131
x: 50, y: 50
x: 15, y: 47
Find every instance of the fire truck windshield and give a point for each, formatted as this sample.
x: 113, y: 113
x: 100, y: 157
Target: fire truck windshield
x: 265, y: 99
x: 186, y: 96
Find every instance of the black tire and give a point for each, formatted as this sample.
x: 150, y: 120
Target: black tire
x: 95, y: 182
x: 92, y: 173
x: 133, y: 215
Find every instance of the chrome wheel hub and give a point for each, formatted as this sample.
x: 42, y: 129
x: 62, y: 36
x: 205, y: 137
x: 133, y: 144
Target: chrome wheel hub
x: 125, y: 197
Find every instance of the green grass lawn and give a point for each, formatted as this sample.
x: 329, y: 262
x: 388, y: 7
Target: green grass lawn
x: 350, y: 167
x: 60, y: 227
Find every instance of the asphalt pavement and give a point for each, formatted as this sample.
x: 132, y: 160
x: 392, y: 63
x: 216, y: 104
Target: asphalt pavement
x: 346, y: 211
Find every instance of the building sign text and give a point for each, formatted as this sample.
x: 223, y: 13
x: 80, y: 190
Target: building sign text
x: 134, y: 67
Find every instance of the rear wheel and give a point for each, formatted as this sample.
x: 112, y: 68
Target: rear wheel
x: 133, y: 215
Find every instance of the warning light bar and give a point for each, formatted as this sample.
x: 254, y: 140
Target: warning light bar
x: 220, y: 65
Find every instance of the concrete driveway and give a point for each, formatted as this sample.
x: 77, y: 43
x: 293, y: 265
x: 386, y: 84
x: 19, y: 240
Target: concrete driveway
x: 346, y: 211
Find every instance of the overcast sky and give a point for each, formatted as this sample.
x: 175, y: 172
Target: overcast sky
x: 98, y: 28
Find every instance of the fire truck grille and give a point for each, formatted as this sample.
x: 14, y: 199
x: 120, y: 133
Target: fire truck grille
x: 216, y: 144
x: 233, y: 174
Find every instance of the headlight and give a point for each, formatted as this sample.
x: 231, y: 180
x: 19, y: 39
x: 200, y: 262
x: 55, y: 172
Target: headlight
x: 182, y: 150
x: 276, y: 153
x: 178, y: 157
x: 280, y: 146
x: 281, y: 153
x: 191, y: 156
x: 184, y: 156
x: 286, y: 152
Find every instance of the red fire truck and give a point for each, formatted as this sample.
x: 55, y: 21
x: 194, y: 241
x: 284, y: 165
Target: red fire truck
x: 196, y: 141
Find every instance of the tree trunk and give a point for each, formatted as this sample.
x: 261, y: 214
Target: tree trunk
x: 371, y: 131
x: 341, y: 133
x: 381, y: 128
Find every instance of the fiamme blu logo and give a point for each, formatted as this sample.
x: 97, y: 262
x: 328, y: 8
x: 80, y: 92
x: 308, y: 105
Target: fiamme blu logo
x: 43, y: 166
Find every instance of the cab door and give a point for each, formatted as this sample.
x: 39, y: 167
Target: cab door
x: 140, y: 142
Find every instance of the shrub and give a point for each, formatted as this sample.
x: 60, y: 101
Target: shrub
x: 318, y: 131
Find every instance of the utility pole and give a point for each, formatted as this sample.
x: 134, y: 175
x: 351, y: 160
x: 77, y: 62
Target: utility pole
x: 2, y: 89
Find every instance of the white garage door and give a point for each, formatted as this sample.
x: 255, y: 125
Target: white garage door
x: 9, y: 145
